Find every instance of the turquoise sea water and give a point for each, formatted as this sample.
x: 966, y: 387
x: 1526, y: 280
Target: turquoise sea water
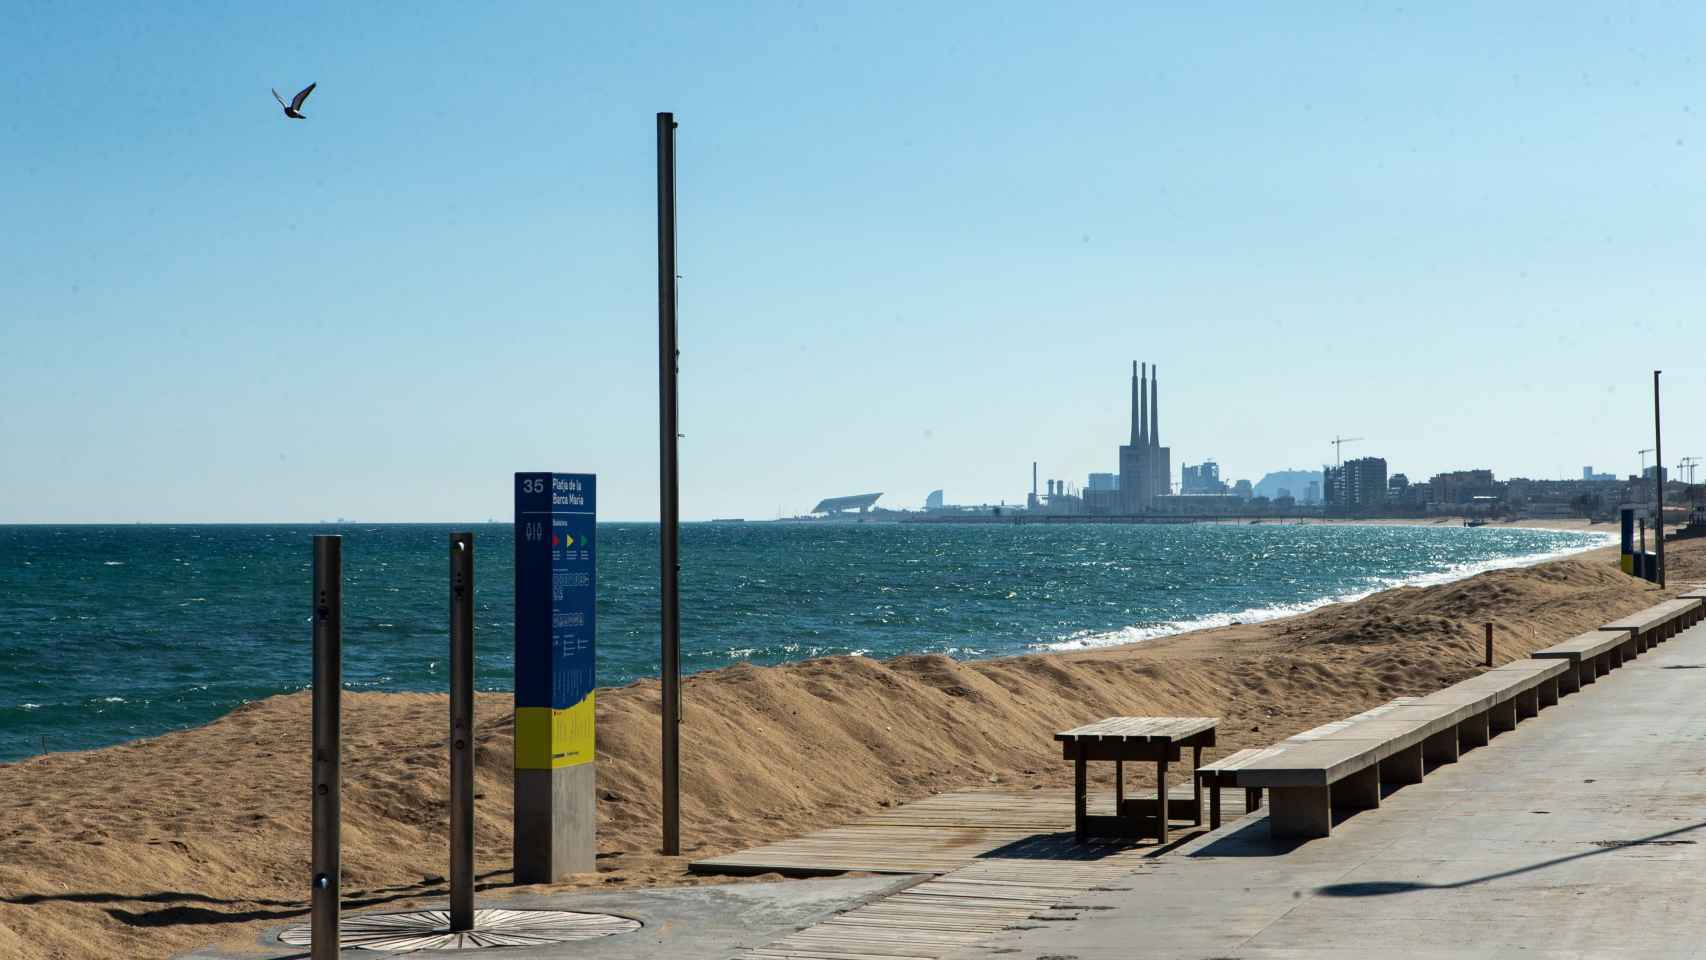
x: 109, y: 633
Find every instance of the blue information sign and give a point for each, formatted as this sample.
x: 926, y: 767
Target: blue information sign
x: 555, y: 619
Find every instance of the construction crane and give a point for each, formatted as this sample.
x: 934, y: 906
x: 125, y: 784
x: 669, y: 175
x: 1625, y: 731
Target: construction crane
x: 1643, y: 454
x: 1338, y: 448
x: 1688, y: 464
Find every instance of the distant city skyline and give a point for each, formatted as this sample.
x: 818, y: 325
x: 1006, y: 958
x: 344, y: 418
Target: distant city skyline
x: 919, y: 248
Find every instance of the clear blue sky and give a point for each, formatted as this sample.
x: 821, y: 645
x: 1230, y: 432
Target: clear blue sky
x: 920, y: 247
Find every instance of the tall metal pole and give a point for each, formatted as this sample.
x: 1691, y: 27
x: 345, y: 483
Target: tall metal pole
x: 462, y: 731
x: 328, y: 782
x: 669, y: 514
x: 1659, y: 480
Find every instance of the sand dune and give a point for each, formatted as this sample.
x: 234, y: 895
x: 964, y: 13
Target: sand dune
x: 202, y: 836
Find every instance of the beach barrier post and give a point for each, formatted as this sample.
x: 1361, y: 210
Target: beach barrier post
x: 1489, y: 643
x: 462, y: 731
x: 328, y: 687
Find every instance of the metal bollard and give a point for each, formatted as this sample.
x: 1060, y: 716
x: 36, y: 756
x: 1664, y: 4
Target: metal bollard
x: 1489, y: 644
x: 328, y: 688
x: 462, y: 731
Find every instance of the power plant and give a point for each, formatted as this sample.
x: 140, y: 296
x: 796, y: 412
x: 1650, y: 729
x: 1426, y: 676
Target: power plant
x: 1145, y: 465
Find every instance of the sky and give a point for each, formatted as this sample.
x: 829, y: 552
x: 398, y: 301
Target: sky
x: 920, y: 246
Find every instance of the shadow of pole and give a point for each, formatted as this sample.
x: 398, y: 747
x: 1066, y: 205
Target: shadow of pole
x: 1383, y: 888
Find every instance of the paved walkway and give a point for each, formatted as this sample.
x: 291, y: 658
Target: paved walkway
x: 1580, y: 834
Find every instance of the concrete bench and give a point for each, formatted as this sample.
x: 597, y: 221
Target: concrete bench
x: 1591, y: 655
x: 1696, y: 592
x: 1223, y: 772
x: 1344, y: 767
x: 1657, y: 623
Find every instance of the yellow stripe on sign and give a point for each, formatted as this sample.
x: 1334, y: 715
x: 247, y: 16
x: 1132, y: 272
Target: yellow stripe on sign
x: 546, y: 739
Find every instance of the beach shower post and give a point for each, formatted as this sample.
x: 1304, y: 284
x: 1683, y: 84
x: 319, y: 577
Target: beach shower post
x: 462, y: 731
x: 327, y: 780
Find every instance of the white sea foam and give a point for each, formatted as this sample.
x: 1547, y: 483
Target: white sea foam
x: 112, y: 563
x: 1092, y: 639
x: 31, y: 706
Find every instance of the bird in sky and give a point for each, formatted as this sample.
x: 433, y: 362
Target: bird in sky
x: 293, y: 109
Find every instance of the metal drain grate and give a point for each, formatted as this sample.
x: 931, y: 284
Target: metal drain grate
x: 430, y: 929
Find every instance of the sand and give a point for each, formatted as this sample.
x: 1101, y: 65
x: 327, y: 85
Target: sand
x: 201, y: 836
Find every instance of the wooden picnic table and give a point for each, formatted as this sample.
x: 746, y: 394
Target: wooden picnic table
x: 1119, y: 739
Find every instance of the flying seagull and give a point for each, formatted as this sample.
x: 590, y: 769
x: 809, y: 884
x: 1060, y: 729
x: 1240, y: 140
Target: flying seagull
x: 293, y: 109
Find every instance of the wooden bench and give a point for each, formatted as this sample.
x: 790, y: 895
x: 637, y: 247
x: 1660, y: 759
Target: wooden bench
x: 1657, y: 623
x: 1591, y: 655
x: 1121, y: 739
x: 1344, y: 768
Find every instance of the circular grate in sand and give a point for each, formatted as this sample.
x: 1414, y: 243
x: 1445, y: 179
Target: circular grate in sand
x: 430, y: 929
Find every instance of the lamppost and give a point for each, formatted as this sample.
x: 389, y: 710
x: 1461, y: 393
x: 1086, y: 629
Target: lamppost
x: 669, y: 515
x: 1659, y: 480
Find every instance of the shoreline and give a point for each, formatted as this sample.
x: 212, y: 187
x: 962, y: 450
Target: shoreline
x: 1093, y: 638
x: 201, y: 835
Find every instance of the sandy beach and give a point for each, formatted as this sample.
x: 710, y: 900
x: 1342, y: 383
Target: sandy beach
x: 202, y: 836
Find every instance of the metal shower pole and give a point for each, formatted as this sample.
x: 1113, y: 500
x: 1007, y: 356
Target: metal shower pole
x: 462, y: 731
x: 327, y: 777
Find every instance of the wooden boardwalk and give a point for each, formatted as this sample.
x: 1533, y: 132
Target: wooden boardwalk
x: 999, y: 859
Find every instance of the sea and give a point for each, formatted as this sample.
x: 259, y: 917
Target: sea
x: 111, y: 633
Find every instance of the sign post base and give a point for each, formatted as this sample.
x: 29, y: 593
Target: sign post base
x: 556, y: 823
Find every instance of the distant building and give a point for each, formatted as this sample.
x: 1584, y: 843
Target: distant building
x: 933, y: 501
x: 1462, y: 486
x: 1396, y: 486
x: 1145, y: 465
x: 1312, y: 492
x: 1358, y: 484
x: 1242, y: 490
x: 862, y: 503
x: 1103, y: 481
x: 1365, y: 482
x: 1202, y: 479
x: 1588, y: 474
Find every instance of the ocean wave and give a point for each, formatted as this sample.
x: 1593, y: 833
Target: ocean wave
x: 1094, y: 639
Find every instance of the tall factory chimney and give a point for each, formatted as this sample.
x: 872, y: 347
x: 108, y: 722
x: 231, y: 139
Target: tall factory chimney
x: 1154, y: 403
x: 1136, y: 422
x: 1033, y: 478
x: 1141, y: 435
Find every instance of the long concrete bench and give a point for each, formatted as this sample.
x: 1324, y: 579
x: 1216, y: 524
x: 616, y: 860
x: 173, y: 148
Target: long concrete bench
x: 1223, y: 772
x: 1591, y: 655
x: 1343, y: 769
x: 1696, y: 592
x: 1657, y: 623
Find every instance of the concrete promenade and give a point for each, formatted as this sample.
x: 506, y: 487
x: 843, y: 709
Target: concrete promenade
x: 1580, y: 834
